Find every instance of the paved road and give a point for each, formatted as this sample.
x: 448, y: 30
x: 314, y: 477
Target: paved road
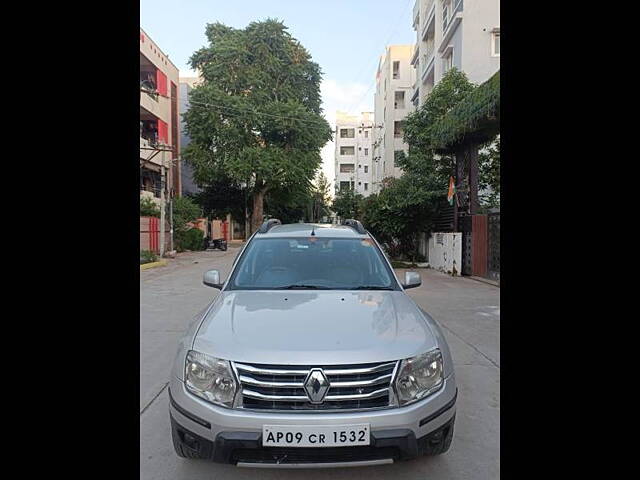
x: 468, y: 311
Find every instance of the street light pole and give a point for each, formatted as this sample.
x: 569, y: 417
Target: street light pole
x: 162, y: 205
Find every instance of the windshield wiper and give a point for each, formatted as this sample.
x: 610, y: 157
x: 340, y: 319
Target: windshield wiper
x: 371, y: 287
x: 302, y: 287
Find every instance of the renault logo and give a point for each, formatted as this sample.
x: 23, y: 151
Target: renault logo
x: 316, y: 385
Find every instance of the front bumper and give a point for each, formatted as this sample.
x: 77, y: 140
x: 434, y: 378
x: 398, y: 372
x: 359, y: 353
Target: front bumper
x: 235, y: 435
x: 245, y: 449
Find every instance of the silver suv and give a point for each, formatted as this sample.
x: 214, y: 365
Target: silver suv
x: 312, y: 356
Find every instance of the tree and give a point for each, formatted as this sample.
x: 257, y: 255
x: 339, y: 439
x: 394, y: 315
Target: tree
x: 421, y: 127
x: 289, y: 205
x: 404, y: 207
x: 185, y: 211
x: 256, y: 116
x: 221, y: 196
x: 347, y: 204
x: 320, y: 198
x: 489, y: 163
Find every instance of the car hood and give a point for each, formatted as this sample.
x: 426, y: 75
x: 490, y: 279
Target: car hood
x: 319, y: 327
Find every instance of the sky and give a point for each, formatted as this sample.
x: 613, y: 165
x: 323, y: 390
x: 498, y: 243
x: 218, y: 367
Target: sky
x: 346, y: 38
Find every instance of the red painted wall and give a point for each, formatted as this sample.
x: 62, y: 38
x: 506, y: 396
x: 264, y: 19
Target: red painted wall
x: 163, y: 131
x: 162, y: 83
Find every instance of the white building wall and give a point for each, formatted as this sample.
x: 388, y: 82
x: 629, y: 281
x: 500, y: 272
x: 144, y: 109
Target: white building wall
x: 445, y: 252
x: 470, y: 38
x: 361, y: 179
x: 386, y: 113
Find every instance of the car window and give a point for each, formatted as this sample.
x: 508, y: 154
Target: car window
x: 322, y: 263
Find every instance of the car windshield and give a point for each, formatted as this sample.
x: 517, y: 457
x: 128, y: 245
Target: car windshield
x: 312, y: 263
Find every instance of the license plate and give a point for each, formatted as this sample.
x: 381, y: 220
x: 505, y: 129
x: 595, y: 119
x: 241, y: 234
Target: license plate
x: 315, y: 436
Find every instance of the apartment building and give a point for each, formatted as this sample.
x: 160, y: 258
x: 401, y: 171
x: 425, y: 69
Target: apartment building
x: 159, y: 123
x: 394, y: 83
x: 186, y: 171
x: 454, y: 33
x: 353, y: 155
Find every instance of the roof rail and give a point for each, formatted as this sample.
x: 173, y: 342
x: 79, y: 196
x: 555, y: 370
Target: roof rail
x: 266, y: 226
x: 355, y: 224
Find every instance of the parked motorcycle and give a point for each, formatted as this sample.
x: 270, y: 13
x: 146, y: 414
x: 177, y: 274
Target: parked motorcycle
x: 217, y: 243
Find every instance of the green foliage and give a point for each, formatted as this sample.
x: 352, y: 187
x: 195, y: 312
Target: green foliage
x: 320, y: 201
x: 185, y: 210
x: 257, y: 113
x: 148, y: 208
x: 489, y: 176
x: 421, y: 127
x: 348, y: 204
x: 191, y: 239
x: 474, y: 119
x: 221, y: 196
x: 403, y: 208
x: 289, y: 205
x: 147, y: 256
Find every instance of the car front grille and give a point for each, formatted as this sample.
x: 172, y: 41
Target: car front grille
x: 281, y: 387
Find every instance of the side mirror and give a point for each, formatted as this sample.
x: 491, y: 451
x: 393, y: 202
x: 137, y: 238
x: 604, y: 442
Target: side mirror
x: 411, y: 280
x: 212, y: 279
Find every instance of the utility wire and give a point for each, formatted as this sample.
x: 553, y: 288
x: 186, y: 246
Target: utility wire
x: 254, y: 112
x: 395, y: 28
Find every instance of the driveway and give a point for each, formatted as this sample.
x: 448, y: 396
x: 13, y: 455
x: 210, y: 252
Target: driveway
x: 467, y: 310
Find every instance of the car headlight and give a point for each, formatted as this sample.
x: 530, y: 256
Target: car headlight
x: 210, y: 378
x: 419, y: 377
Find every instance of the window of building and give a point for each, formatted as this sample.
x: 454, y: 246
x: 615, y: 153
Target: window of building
x: 344, y: 185
x: 495, y: 44
x: 366, y: 134
x: 359, y: 183
x: 398, y: 128
x: 448, y: 61
x: 366, y: 169
x: 347, y: 150
x: 359, y: 166
x: 347, y: 167
x: 366, y: 152
x: 366, y: 186
x: 347, y: 132
x: 399, y: 100
x: 396, y: 70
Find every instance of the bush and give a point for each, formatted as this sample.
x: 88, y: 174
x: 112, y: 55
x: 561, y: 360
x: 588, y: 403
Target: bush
x: 148, y: 208
x: 147, y: 256
x: 191, y: 239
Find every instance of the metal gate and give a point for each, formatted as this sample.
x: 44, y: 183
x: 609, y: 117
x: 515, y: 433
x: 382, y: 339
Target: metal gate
x: 479, y: 245
x: 494, y: 247
x: 464, y: 225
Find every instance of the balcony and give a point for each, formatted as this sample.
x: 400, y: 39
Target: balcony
x: 415, y: 98
x: 449, y: 26
x: 416, y: 52
x: 149, y: 155
x: 416, y: 15
x: 428, y: 29
x: 428, y: 61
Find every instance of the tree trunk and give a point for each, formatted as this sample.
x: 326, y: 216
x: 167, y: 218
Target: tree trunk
x: 258, y: 204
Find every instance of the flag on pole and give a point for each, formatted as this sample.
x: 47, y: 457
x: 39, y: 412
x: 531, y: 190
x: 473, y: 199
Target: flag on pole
x: 452, y: 190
